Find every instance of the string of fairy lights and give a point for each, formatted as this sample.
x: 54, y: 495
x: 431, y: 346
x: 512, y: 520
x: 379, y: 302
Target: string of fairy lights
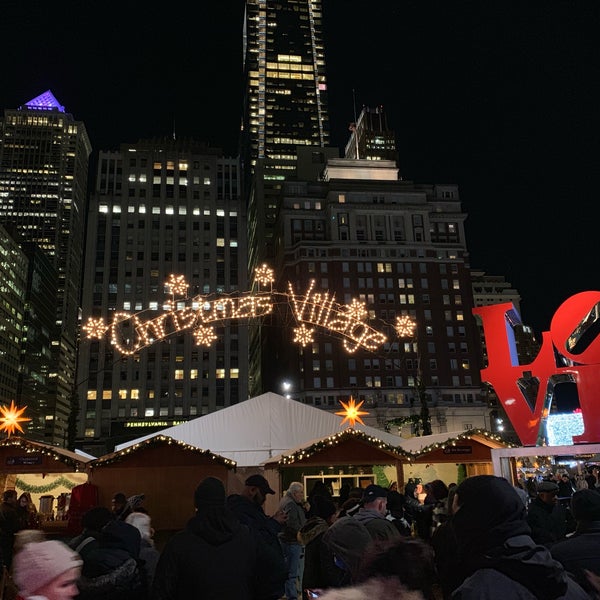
x: 312, y: 310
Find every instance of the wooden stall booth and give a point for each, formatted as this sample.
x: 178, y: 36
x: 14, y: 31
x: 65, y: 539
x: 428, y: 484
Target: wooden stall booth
x: 350, y: 457
x: 48, y: 473
x: 165, y: 471
x: 441, y: 457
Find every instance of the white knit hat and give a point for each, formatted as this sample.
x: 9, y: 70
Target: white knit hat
x: 39, y: 563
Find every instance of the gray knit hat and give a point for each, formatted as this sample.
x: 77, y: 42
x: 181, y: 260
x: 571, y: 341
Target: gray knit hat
x: 39, y: 563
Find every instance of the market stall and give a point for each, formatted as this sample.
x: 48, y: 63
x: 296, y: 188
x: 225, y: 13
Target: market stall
x: 166, y: 471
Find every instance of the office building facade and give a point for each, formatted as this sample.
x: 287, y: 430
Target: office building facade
x: 166, y: 232
x: 387, y: 249
x: 44, y: 154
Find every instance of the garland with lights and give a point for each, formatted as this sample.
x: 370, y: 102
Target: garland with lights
x: 161, y: 439
x: 336, y: 439
x: 42, y: 489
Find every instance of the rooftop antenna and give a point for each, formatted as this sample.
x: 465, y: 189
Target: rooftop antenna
x: 355, y: 132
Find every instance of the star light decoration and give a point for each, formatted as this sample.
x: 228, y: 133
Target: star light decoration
x: 95, y: 328
x: 11, y: 418
x: 204, y: 336
x: 357, y: 310
x: 352, y: 412
x: 405, y: 326
x: 177, y: 284
x: 303, y: 335
x: 264, y: 275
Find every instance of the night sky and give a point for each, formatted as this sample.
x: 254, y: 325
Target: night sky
x: 500, y: 98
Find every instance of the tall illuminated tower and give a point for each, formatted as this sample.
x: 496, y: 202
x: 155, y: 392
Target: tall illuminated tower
x: 44, y: 156
x: 285, y: 106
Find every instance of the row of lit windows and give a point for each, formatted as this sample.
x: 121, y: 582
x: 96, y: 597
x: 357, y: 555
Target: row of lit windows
x: 376, y: 381
x: 167, y: 210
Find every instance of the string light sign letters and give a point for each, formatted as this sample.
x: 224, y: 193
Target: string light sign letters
x: 129, y: 333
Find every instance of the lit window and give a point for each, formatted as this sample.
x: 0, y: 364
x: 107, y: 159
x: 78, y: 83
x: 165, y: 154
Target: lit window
x: 178, y: 373
x: 91, y: 394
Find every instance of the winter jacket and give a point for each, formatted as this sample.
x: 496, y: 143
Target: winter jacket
x: 271, y: 570
x: 580, y: 551
x: 320, y: 570
x: 212, y: 559
x: 377, y: 525
x: 374, y: 589
x: 548, y: 522
x: 525, y: 572
x: 296, y: 518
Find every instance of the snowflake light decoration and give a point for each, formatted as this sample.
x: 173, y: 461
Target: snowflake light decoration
x: 11, y: 418
x: 177, y: 284
x: 405, y: 326
x: 303, y: 335
x: 264, y: 275
x: 352, y: 412
x: 205, y: 336
x: 95, y: 328
x: 357, y: 310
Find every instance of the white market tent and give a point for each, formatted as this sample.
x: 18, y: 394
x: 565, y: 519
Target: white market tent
x: 257, y: 429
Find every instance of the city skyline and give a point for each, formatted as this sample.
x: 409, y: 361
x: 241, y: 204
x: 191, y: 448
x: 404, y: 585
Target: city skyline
x: 498, y: 100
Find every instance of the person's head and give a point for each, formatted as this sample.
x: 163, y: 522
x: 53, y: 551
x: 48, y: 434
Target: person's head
x: 10, y: 497
x: 296, y: 491
x: 487, y: 511
x: 347, y: 538
x: 136, y: 502
x: 375, y: 498
x: 143, y: 523
x: 438, y: 489
x: 96, y: 518
x: 324, y: 508
x: 395, y: 502
x: 26, y: 536
x: 393, y: 487
x: 210, y: 494
x: 547, y: 492
x: 410, y: 560
x: 585, y: 505
x: 118, y: 502
x: 25, y: 500
x: 256, y: 488
x: 49, y: 568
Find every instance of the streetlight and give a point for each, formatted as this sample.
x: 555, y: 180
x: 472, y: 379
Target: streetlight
x: 286, y: 386
x: 406, y: 327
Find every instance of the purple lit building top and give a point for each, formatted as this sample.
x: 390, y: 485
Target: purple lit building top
x: 45, y: 101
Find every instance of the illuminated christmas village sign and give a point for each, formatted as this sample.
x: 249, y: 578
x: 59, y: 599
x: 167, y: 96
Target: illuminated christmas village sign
x: 570, y: 352
x: 129, y: 333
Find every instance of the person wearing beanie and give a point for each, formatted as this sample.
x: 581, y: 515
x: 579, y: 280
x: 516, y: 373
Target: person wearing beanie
x: 213, y: 557
x: 581, y: 551
x: 319, y: 570
x: 47, y: 570
x: 499, y: 558
x: 148, y: 552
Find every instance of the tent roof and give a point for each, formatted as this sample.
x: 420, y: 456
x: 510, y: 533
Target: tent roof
x: 257, y: 429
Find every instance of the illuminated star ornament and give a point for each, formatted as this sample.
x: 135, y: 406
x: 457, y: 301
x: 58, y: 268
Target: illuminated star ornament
x: 11, y: 417
x: 352, y: 412
x: 405, y: 326
x: 95, y: 328
x: 303, y: 335
x: 177, y: 284
x: 264, y: 275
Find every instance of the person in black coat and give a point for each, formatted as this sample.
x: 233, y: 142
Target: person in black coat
x: 213, y: 558
x: 271, y: 570
x: 581, y: 551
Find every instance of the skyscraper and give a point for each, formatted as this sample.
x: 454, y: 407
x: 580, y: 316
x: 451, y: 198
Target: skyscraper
x: 44, y: 156
x: 166, y: 236
x: 285, y: 103
x: 285, y: 106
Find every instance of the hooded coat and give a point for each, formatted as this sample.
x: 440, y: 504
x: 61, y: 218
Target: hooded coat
x: 499, y: 558
x: 213, y: 558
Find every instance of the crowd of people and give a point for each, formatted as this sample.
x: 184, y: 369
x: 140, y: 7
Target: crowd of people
x: 484, y: 538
